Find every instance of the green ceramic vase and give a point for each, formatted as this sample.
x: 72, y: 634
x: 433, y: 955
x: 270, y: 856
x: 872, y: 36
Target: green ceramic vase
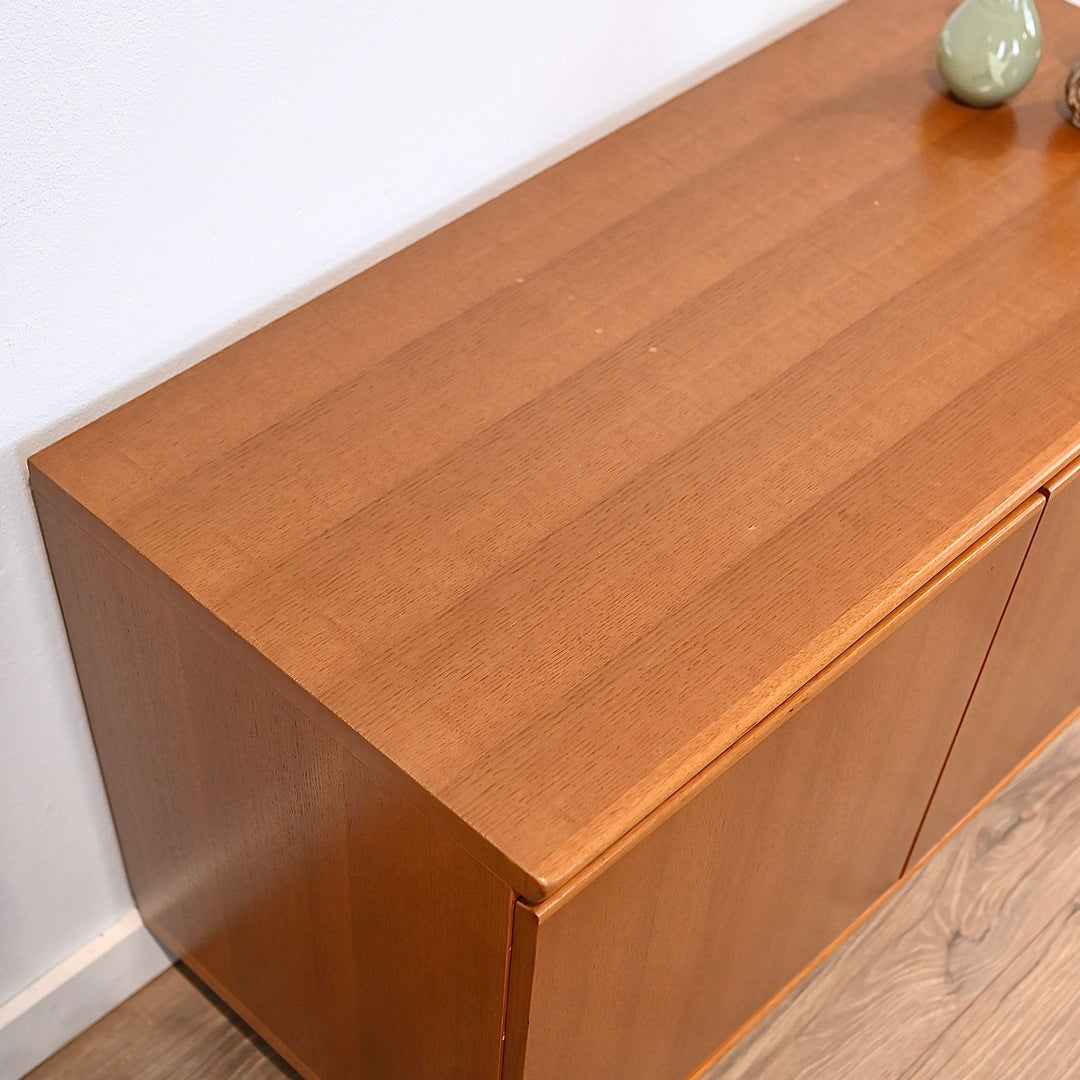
x: 989, y: 50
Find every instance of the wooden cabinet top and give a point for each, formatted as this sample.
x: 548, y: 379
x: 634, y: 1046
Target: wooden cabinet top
x: 553, y: 506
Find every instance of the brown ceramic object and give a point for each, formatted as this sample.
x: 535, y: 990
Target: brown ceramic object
x: 1072, y: 93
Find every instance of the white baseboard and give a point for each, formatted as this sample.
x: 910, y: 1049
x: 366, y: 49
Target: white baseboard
x: 76, y: 993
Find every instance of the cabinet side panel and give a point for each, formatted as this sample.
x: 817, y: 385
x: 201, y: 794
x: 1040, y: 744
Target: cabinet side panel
x: 353, y: 933
x: 1031, y: 681
x: 650, y: 964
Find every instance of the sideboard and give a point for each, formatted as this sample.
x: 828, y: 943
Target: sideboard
x: 523, y: 660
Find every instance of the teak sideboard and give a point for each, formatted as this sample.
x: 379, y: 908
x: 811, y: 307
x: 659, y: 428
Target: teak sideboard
x: 525, y: 659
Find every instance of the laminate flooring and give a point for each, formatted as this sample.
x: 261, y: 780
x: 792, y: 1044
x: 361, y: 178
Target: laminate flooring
x: 970, y: 970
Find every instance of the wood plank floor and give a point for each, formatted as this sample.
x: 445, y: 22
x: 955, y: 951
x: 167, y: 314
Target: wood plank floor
x: 971, y: 970
x: 928, y: 986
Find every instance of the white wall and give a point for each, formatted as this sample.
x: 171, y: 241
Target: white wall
x: 171, y: 176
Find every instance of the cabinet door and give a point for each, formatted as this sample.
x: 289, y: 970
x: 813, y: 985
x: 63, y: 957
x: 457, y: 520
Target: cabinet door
x: 1031, y: 681
x: 649, y: 960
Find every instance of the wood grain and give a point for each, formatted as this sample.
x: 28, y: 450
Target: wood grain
x: 343, y: 925
x: 914, y: 977
x: 1032, y: 676
x: 553, y: 507
x: 915, y: 968
x: 1018, y: 1027
x: 170, y: 1030
x: 645, y: 965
